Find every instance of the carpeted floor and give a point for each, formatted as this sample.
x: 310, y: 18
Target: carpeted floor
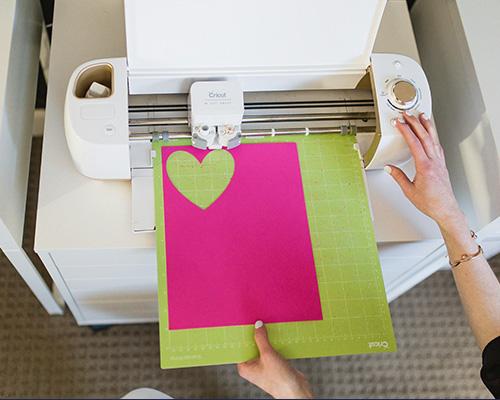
x: 42, y: 356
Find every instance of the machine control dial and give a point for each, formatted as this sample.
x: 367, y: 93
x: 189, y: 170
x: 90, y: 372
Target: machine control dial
x: 402, y: 94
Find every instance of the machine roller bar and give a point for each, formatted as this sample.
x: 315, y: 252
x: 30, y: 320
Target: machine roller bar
x: 365, y: 116
x: 260, y: 105
x: 345, y: 130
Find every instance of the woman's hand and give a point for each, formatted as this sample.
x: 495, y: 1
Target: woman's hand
x: 430, y: 190
x: 272, y: 373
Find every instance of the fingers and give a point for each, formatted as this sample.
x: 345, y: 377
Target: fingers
x: 261, y: 338
x: 271, y: 372
x: 247, y: 369
x: 422, y: 134
x: 400, y: 178
x: 429, y: 127
x: 416, y: 149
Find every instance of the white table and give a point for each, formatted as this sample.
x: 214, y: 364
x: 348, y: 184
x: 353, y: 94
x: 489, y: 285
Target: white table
x: 20, y: 33
x: 106, y: 273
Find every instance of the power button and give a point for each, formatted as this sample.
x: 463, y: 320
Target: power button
x: 109, y: 130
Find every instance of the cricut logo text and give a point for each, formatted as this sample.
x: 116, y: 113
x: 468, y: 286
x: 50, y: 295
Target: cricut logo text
x: 383, y: 344
x: 217, y: 95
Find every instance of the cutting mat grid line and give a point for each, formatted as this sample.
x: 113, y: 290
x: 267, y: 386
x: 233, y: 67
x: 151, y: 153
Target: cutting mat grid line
x: 353, y: 298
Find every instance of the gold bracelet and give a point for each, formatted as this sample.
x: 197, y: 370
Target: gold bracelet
x: 468, y: 257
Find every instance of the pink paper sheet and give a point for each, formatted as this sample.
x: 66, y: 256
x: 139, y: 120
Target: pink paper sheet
x: 248, y: 256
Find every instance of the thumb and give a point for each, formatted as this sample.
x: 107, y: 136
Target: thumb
x: 247, y: 370
x: 400, y: 178
x: 261, y: 338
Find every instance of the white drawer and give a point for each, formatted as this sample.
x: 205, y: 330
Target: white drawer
x: 98, y: 290
x: 78, y: 258
x: 119, y: 312
x: 108, y: 271
x: 407, y: 249
x: 396, y: 259
x: 491, y: 246
x: 394, y: 267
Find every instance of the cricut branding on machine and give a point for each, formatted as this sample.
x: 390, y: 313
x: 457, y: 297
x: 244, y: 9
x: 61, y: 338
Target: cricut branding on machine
x: 217, y: 95
x: 215, y: 114
x: 312, y: 86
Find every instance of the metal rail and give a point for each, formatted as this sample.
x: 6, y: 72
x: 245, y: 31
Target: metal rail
x: 261, y: 105
x: 343, y: 130
x: 252, y: 119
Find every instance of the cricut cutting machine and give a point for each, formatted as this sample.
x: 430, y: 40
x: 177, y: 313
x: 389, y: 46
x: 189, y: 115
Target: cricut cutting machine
x: 221, y: 70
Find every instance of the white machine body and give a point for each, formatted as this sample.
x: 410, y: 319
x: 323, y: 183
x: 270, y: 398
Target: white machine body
x: 297, y: 46
x: 97, y: 127
x: 399, y: 85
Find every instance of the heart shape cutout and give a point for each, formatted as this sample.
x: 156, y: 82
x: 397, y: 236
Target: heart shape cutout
x: 201, y: 182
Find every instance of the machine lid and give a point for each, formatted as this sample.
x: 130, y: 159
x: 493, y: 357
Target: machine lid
x: 219, y: 37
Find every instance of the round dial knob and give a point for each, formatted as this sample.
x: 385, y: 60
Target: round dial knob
x: 403, y: 94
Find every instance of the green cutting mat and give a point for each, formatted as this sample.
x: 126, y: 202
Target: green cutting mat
x: 356, y: 316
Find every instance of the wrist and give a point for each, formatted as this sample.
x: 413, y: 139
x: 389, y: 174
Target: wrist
x: 457, y: 236
x: 453, y: 223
